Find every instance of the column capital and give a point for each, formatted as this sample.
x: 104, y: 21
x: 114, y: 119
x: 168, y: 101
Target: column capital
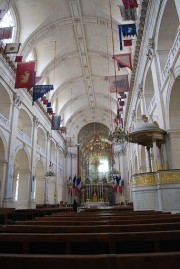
x: 16, y: 100
x: 49, y: 136
x: 35, y: 121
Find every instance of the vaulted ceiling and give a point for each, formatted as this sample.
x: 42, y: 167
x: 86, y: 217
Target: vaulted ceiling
x: 73, y: 42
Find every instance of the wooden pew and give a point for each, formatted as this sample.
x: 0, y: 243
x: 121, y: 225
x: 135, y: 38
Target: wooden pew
x: 107, y: 218
x: 98, y: 222
x: 90, y: 243
x: 127, y: 261
x: 89, y: 228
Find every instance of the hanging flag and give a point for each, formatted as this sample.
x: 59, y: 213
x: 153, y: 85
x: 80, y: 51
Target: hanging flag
x: 18, y: 59
x: 126, y: 30
x: 124, y: 60
x: 74, y: 181
x: 6, y: 32
x: 2, y: 13
x: 63, y: 130
x: 56, y: 121
x: 12, y: 48
x: 123, y: 96
x: 49, y: 110
x: 130, y: 3
x: 45, y: 102
x: 128, y: 14
x: 37, y: 79
x: 120, y: 110
x: 119, y: 84
x: 121, y: 103
x: 40, y: 90
x: 25, y: 75
x: 79, y: 183
x: 127, y: 42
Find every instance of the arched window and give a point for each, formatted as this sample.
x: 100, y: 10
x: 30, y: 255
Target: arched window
x: 8, y: 21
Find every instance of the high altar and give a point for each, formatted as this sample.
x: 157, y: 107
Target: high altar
x: 96, y: 195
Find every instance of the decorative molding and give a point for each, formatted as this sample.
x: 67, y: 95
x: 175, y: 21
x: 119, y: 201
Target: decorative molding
x: 145, y: 179
x: 139, y: 91
x: 136, y: 54
x: 133, y: 116
x: 169, y: 178
x: 150, y: 49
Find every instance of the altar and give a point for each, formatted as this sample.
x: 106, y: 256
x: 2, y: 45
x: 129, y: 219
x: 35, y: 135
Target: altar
x: 95, y: 204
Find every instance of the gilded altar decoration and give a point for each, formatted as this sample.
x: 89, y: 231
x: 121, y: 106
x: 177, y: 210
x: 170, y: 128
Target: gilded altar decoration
x: 169, y: 178
x: 144, y: 179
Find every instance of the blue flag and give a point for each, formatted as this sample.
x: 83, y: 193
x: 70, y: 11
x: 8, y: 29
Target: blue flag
x: 126, y: 30
x: 40, y: 90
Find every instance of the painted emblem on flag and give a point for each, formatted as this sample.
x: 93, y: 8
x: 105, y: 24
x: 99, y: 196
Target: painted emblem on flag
x: 25, y: 77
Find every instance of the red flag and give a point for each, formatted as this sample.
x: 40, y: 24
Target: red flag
x: 6, y: 32
x: 130, y: 3
x: 119, y: 84
x: 63, y: 129
x: 25, y: 75
x: 18, y: 59
x: 124, y: 60
x: 127, y: 43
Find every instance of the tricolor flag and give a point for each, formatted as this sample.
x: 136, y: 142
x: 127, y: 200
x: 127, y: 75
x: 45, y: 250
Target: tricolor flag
x: 12, y: 48
x: 126, y: 30
x: 6, y: 32
x: 79, y: 183
x: 118, y: 84
x: 56, y: 121
x: 25, y: 75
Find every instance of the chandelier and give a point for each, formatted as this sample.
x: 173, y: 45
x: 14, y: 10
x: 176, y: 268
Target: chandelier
x: 118, y: 135
x: 50, y: 173
x: 96, y: 144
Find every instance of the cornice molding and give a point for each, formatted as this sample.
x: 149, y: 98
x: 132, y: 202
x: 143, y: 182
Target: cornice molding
x: 136, y: 54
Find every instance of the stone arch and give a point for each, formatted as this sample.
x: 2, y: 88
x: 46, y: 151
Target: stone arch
x: 39, y: 182
x: 5, y: 102
x: 174, y: 125
x: 168, y: 27
x: 21, y: 179
x: 148, y: 89
x: 41, y: 138
x: 25, y: 123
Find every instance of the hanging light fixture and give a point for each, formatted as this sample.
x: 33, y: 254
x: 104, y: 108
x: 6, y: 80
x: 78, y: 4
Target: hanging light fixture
x: 118, y: 135
x: 50, y: 173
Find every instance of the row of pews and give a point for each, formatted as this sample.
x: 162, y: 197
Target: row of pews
x: 102, y: 239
